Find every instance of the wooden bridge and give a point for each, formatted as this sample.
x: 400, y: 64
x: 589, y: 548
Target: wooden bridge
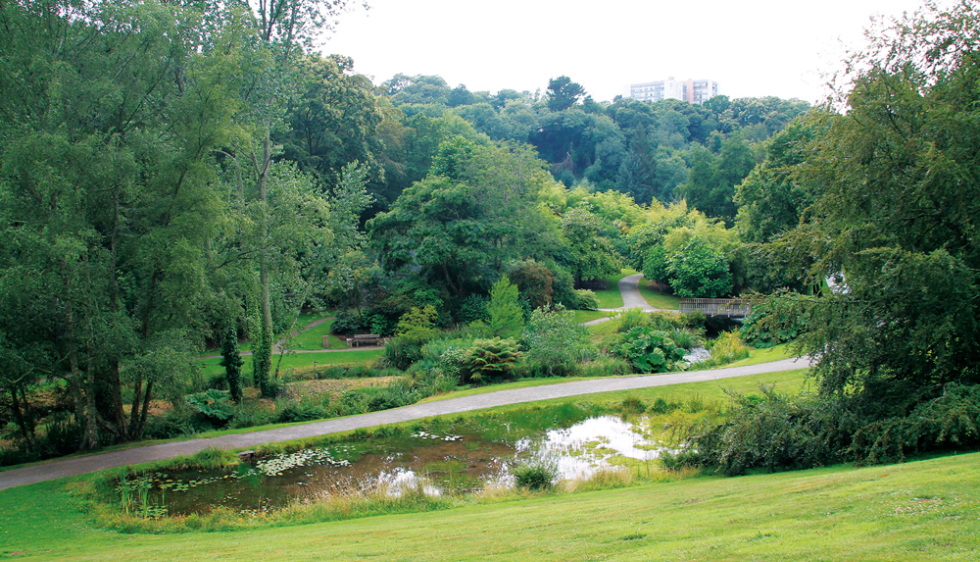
x: 727, y: 308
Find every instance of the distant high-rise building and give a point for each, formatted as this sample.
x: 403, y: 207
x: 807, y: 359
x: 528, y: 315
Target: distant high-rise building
x: 693, y: 91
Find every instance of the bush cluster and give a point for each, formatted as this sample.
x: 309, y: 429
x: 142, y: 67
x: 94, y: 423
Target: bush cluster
x: 781, y: 432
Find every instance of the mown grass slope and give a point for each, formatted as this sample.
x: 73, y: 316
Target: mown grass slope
x: 924, y: 510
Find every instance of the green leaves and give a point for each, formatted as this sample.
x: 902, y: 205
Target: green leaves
x: 490, y: 358
x: 506, y: 316
x: 651, y: 351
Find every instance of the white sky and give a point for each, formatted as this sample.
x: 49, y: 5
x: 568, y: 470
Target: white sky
x: 753, y: 48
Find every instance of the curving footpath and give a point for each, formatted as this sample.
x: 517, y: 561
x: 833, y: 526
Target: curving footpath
x: 628, y: 286
x: 93, y: 463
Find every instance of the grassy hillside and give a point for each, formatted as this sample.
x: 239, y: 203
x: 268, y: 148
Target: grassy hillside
x: 925, y: 510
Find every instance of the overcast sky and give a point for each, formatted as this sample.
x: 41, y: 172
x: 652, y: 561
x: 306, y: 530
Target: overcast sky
x: 753, y: 48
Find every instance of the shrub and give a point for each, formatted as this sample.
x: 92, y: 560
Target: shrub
x: 212, y: 405
x: 535, y: 282
x: 603, y: 366
x: 685, y: 338
x: 250, y: 414
x: 661, y: 406
x: 473, y: 308
x: 170, y: 425
x: 297, y: 410
x: 632, y: 405
x: 535, y: 475
x: 489, y: 359
x: 699, y: 271
x: 506, y: 316
x: 633, y: 318
x: 804, y: 431
x: 728, y: 347
x: 350, y: 322
x: 586, y: 300
x: 418, y: 323
x: 555, y: 342
x: 402, y: 351
x: 651, y: 351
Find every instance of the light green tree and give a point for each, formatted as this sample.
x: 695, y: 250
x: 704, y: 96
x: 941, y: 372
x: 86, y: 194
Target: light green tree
x: 506, y: 316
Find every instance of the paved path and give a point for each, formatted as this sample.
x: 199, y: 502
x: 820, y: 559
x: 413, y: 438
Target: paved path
x: 83, y: 465
x: 629, y: 286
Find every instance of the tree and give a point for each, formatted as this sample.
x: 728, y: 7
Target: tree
x: 284, y: 29
x: 333, y: 119
x: 473, y: 213
x: 231, y: 360
x: 563, y: 93
x: 699, y: 271
x: 771, y: 200
x: 108, y: 187
x: 710, y: 187
x: 506, y: 316
x: 896, y: 217
x: 592, y: 254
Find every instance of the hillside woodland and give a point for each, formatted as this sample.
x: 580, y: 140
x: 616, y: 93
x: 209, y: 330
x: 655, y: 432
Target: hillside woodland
x: 176, y: 177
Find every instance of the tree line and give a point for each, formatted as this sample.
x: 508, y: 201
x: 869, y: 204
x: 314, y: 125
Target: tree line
x: 182, y: 175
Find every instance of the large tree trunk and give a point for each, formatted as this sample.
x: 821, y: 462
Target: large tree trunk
x: 117, y: 417
x: 135, y: 408
x: 85, y: 396
x: 146, y: 408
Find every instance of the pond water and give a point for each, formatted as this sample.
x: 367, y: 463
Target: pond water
x: 433, y: 464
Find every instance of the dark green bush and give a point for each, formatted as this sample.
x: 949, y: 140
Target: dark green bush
x: 350, y: 322
x: 63, y: 437
x: 632, y: 405
x: 169, y: 425
x: 780, y: 432
x: 402, y: 351
x: 473, y: 308
x: 535, y: 475
x: 650, y: 351
x: 661, y: 406
x: 299, y: 410
x: 786, y: 432
x: 250, y: 414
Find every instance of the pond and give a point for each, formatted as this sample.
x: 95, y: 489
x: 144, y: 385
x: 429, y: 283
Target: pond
x: 428, y: 463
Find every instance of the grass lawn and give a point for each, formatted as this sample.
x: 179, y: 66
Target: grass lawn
x: 775, y: 353
x: 313, y: 338
x: 610, y: 297
x: 923, y: 510
x: 583, y: 316
x: 657, y: 299
x: 210, y: 367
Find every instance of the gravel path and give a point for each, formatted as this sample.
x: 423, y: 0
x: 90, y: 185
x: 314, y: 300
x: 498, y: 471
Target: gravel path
x: 93, y: 463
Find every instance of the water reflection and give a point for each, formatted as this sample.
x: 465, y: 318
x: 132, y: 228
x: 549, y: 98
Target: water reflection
x: 430, y: 464
x: 580, y: 451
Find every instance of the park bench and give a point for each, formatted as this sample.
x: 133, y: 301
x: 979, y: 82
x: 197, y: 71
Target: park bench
x: 363, y: 339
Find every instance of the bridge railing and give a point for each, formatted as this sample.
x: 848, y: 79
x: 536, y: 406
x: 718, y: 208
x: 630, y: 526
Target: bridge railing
x: 731, y: 308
